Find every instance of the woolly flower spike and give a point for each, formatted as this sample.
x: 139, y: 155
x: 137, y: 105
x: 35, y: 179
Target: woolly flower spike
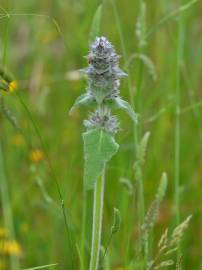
x: 104, y: 76
x: 102, y: 119
x: 103, y: 71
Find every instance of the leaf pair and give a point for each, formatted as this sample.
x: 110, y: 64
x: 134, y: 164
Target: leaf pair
x: 118, y: 102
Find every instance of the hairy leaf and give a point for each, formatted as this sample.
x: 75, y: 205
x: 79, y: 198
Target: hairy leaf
x: 99, y: 147
x: 81, y: 100
x: 124, y: 105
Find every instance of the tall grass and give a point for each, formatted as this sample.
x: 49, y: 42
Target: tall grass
x: 179, y: 60
x: 7, y: 207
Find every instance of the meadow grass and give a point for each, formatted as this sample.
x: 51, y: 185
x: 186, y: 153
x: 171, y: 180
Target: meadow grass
x: 40, y: 43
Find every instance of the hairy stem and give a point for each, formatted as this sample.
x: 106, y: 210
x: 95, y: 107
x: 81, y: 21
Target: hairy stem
x: 97, y: 221
x: 83, y: 234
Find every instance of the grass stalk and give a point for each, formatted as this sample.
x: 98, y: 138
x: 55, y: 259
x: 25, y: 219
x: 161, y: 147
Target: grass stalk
x: 179, y: 51
x: 136, y: 129
x: 54, y: 178
x: 97, y: 221
x: 7, y: 209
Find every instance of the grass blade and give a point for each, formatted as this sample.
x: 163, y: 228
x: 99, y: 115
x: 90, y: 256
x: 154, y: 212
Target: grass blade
x: 41, y: 267
x: 95, y: 27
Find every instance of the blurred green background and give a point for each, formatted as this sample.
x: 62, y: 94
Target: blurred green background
x: 44, y: 56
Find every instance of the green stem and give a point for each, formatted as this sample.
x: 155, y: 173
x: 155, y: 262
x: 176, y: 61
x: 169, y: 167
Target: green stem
x: 180, y: 47
x: 97, y: 221
x: 54, y: 177
x: 137, y: 128
x: 7, y: 210
x: 83, y: 234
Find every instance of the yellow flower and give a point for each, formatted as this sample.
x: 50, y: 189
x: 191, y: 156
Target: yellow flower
x: 36, y: 155
x: 11, y: 247
x: 8, y: 247
x: 8, y: 87
x: 12, y: 86
x: 18, y: 140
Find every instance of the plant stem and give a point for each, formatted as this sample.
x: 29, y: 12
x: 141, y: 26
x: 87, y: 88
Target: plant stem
x: 83, y: 234
x: 180, y: 47
x: 136, y: 132
x: 54, y: 177
x: 97, y: 221
x: 7, y: 210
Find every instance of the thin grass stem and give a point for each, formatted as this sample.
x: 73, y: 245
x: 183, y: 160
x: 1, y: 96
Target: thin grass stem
x: 168, y: 17
x: 7, y: 209
x: 136, y: 129
x: 53, y: 175
x: 179, y: 56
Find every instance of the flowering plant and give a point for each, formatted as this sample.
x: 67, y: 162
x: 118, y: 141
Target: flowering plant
x: 104, y: 76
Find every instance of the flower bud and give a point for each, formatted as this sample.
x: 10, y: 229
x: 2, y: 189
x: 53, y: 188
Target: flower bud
x: 104, y: 120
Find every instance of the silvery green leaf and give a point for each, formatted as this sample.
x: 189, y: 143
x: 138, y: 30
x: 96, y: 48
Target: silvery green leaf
x: 81, y: 100
x: 124, y: 105
x: 99, y: 93
x: 120, y: 73
x: 99, y: 147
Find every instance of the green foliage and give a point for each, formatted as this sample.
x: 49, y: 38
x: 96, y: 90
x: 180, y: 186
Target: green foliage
x: 3, y: 85
x: 124, y: 105
x: 126, y: 183
x: 147, y: 61
x: 81, y: 100
x: 153, y: 211
x: 169, y: 16
x: 29, y: 40
x: 99, y: 147
x: 141, y: 25
x: 162, y: 187
x: 42, y: 267
x: 141, y: 152
x: 4, y: 110
x: 117, y: 221
x: 168, y: 245
x: 95, y: 27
